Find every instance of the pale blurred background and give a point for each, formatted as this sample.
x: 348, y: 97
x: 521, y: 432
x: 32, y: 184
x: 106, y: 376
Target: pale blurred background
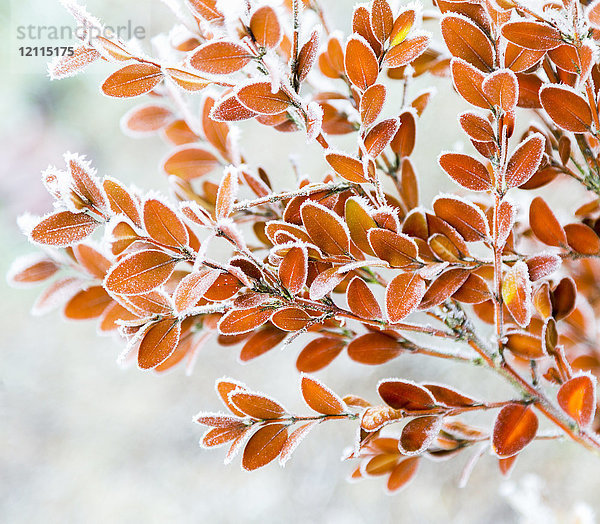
x: 82, y: 440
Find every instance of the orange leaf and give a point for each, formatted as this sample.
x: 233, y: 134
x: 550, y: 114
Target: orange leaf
x: 163, y: 225
x: 147, y: 119
x: 419, y: 434
x: 502, y: 89
x: 402, y: 474
x: 577, y: 397
x: 477, y: 127
x: 525, y: 161
x: 291, y: 319
x: 516, y: 293
x: 190, y: 162
x: 255, y: 405
x: 407, y: 51
x: 220, y: 58
x: 238, y: 321
x: 158, y: 343
x: 382, y: 19
x: 582, y: 238
x: 226, y: 194
x: 380, y: 136
x: 515, y: 427
x: 544, y: 224
x: 374, y: 349
x: 264, y: 446
x: 261, y: 341
x: 403, y: 295
x: 88, y: 303
x: 359, y: 221
x: 371, y: 103
x: 397, y: 249
x: 63, y: 229
x: 466, y: 218
x: 465, y: 40
x: 321, y: 398
x: 318, y: 354
x: 361, y: 300
x: 258, y: 98
x: 193, y: 287
x: 466, y: 171
x: 326, y: 229
x: 468, y: 81
x: 404, y: 395
x: 293, y: 269
x: 140, y: 272
x: 532, y: 35
x: 348, y: 167
x: 265, y: 27
x: 361, y: 63
x: 567, y: 109
x: 132, y: 80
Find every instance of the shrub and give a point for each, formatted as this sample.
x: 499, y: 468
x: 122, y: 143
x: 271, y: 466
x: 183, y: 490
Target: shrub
x: 350, y: 262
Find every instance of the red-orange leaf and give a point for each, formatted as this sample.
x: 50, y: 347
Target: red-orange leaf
x: 502, y: 89
x: 516, y: 293
x: 402, y: 474
x: 238, y: 321
x: 468, y: 81
x: 403, y: 295
x: 516, y: 426
x: 255, y: 405
x: 158, y: 343
x: 544, y: 224
x: 466, y: 171
x: 63, y: 229
x: 567, y: 109
x: 326, y: 229
x: 265, y: 27
x: 348, y: 167
x: 467, y: 41
x: 407, y: 51
x: 220, y: 57
x: 418, y: 434
x: 532, y: 35
x: 401, y: 394
x: 264, y: 446
x: 361, y: 63
x: 525, y: 161
x: 319, y: 353
x: 163, y: 225
x: 361, y: 300
x: 190, y: 162
x: 140, y: 272
x: 132, y: 80
x: 192, y: 288
x: 259, y: 98
x: 577, y: 397
x: 321, y: 398
x: 374, y: 349
x: 88, y: 303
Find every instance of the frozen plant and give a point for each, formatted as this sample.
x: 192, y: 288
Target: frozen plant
x: 311, y: 261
